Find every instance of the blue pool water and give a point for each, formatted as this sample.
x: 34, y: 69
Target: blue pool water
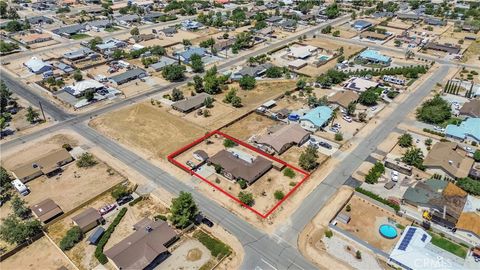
x: 388, y: 231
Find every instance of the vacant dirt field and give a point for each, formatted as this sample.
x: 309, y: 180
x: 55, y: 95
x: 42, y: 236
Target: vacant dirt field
x: 366, y: 219
x: 149, y: 128
x: 348, y: 49
x: 42, y: 254
x: 250, y: 125
x: 191, y: 254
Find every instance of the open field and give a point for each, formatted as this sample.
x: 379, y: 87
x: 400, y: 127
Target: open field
x: 250, y: 125
x: 42, y: 254
x: 149, y: 128
x: 366, y: 219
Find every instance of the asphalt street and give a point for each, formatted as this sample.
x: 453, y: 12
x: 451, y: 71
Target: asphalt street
x: 262, y: 251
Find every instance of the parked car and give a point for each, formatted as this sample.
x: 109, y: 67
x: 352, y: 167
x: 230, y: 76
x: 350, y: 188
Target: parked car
x: 107, y: 208
x: 125, y: 199
x: 190, y: 164
x: 374, y: 108
x: 347, y: 118
x: 325, y: 145
x: 207, y: 222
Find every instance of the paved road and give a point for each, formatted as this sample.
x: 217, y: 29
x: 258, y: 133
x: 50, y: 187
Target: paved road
x: 319, y: 196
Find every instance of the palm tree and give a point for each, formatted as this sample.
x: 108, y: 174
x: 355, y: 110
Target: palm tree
x: 334, y: 116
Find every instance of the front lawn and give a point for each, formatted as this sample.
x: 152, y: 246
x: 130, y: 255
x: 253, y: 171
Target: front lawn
x: 112, y: 29
x: 448, y: 245
x: 451, y: 121
x: 79, y: 36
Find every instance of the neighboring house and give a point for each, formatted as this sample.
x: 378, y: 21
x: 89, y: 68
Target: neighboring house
x: 152, y: 16
x: 444, y: 200
x: 200, y: 155
x: 190, y: 25
x: 110, y: 45
x: 255, y: 71
x: 79, y: 88
x: 374, y: 35
x: 374, y: 57
x: 39, y: 20
x: 448, y: 48
x: 143, y: 37
x: 471, y: 109
x: 273, y: 19
x: 129, y: 75
x: 69, y: 30
x: 297, y: 64
x: 46, y: 210
x: 187, y: 54
x: 88, y: 219
x: 146, y: 246
x: 434, y: 21
x: 63, y: 67
x: 78, y: 54
x: 98, y: 25
x: 316, y: 118
x: 235, y: 167
x: 282, y: 138
x: 469, y: 129
x: 359, y: 84
x: 449, y: 159
x: 128, y: 19
x: 267, y: 31
x: 48, y: 164
x: 343, y: 98
x: 408, y: 16
x: 360, y: 25
x: 469, y: 220
x: 224, y: 44
x: 162, y: 62
x: 37, y: 66
x: 302, y: 52
x: 393, y: 79
x: 415, y: 246
x: 169, y: 31
x: 34, y: 38
x: 289, y: 25
x: 189, y: 104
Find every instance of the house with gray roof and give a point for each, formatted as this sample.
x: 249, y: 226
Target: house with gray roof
x: 129, y: 75
x: 189, y: 104
x: 128, y: 19
x: 97, y: 25
x: 69, y: 30
x: 255, y: 71
x: 162, y: 62
x: 78, y: 54
x: 39, y: 20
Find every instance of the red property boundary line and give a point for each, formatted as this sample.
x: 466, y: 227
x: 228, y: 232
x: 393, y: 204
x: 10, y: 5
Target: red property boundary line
x: 171, y: 158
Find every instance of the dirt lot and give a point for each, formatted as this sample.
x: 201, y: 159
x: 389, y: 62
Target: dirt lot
x: 219, y: 114
x: 191, y: 254
x: 249, y: 126
x: 264, y: 90
x: 148, y: 128
x: 41, y: 253
x: 366, y: 219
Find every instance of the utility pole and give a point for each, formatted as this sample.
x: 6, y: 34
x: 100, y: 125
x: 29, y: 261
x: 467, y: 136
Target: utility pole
x: 43, y: 113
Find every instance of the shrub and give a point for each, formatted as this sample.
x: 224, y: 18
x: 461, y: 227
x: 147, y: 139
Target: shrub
x: 348, y: 208
x: 103, y: 241
x: 374, y: 173
x: 358, y: 255
x: 469, y: 185
x: 67, y: 146
x: 434, y: 111
x: 217, y: 248
x: 86, y: 160
x: 119, y: 192
x: 405, y: 140
x: 476, y: 155
x: 242, y: 183
x: 376, y: 197
x: 135, y: 201
x: 160, y: 217
x: 73, y: 236
x: 228, y: 143
x: 279, y: 195
x: 292, y: 184
x: 338, y: 136
x: 328, y: 233
x: 289, y: 173
x: 246, y: 198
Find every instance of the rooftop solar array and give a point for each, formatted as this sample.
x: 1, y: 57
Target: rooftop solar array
x: 424, y: 237
x: 406, y: 240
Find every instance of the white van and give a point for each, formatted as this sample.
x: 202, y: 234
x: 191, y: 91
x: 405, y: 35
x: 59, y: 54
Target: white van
x: 20, y: 187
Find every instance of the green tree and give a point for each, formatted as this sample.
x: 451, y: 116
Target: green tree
x: 14, y: 26
x: 274, y: 72
x: 208, y: 102
x: 73, y: 236
x: 86, y: 160
x: 236, y: 102
x: 327, y: 29
x: 405, y: 140
x: 196, y: 63
x: 15, y: 231
x: 246, y: 198
x: 94, y: 42
x: 368, y: 97
x: 183, y: 210
x: 469, y: 185
x: 89, y: 95
x: 414, y: 157
x: 308, y: 159
x: 5, y: 179
x: 288, y: 173
x: 434, y: 111
x: 279, y: 195
x: 242, y: 183
x: 247, y: 82
x: 332, y: 11
x: 135, y: 31
x: 198, y: 84
x: 173, y: 72
x: 351, y: 108
x: 32, y: 115
x: 187, y: 42
x: 177, y: 95
x: 5, y: 96
x: 374, y: 173
x: 20, y: 208
x: 301, y: 84
x: 228, y: 143
x: 476, y: 155
x: 336, y: 33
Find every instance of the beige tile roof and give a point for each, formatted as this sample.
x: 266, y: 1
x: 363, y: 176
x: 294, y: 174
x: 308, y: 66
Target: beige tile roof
x: 343, y: 98
x: 285, y: 135
x: 469, y: 221
x: 449, y: 157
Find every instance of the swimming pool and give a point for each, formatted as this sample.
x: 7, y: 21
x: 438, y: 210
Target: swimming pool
x: 323, y: 58
x: 388, y: 231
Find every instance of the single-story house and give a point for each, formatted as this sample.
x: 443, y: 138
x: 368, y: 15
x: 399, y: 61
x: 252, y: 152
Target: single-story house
x: 79, y: 88
x: 48, y: 164
x: 190, y: 25
x: 200, y: 155
x: 255, y: 71
x: 302, y: 52
x: 46, y: 210
x: 273, y: 19
x: 289, y: 25
x: 162, y: 62
x: 78, y: 54
x: 146, y: 246
x: 63, y: 67
x: 435, y: 21
x: 236, y: 167
x: 359, y: 84
x: 316, y: 118
x: 343, y: 98
x: 189, y: 104
x: 374, y: 35
x: 449, y: 159
x: 360, y: 25
x: 283, y: 137
x: 34, y: 38
x: 88, y: 219
x: 469, y: 129
x: 127, y: 19
x: 39, y: 20
x: 152, y: 16
x: 373, y: 56
x: 471, y: 108
x: 267, y: 31
x: 143, y: 37
x: 129, y: 75
x: 448, y: 48
x: 185, y: 55
x: 408, y: 16
x: 110, y: 44
x: 169, y: 31
x: 69, y: 30
x: 97, y: 25
x: 37, y: 66
x: 468, y: 223
x: 224, y: 44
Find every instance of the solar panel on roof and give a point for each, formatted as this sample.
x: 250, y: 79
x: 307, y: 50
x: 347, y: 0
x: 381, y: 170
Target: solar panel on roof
x: 424, y: 237
x: 407, y: 238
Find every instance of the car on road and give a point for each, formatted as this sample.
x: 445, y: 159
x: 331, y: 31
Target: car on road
x: 107, y: 208
x: 125, y: 199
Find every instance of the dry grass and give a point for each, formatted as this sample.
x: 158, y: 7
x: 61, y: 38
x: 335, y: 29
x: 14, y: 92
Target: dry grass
x: 194, y: 254
x: 249, y: 126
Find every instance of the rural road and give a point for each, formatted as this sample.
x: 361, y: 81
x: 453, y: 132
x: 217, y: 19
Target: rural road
x: 261, y: 250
